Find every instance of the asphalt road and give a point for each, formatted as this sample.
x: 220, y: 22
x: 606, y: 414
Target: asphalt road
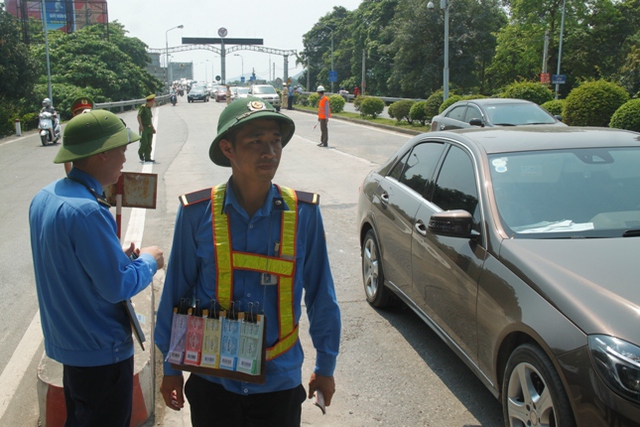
x: 392, y: 371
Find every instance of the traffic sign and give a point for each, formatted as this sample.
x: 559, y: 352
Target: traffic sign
x: 333, y: 76
x: 559, y: 79
x: 242, y: 79
x: 218, y: 78
x: 545, y: 78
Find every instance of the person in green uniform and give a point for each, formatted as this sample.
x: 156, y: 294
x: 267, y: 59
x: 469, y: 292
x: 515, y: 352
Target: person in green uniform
x: 146, y: 129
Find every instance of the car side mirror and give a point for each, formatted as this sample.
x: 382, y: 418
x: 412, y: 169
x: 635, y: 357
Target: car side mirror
x: 476, y: 122
x: 455, y: 223
x: 558, y: 118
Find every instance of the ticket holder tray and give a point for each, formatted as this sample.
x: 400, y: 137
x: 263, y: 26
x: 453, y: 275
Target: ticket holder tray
x: 233, y: 375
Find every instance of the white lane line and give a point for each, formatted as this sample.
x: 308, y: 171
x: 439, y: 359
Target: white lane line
x: 24, y: 353
x: 335, y: 150
x: 17, y: 366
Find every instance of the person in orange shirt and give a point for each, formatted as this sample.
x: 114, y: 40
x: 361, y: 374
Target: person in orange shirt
x: 324, y: 112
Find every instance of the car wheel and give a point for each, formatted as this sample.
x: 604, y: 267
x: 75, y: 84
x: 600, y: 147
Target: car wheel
x: 532, y: 393
x: 378, y: 295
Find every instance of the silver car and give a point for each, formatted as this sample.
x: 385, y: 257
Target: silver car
x: 267, y: 93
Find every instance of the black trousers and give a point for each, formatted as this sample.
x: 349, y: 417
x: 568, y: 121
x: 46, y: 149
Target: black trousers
x: 212, y: 405
x: 324, y: 132
x: 99, y: 396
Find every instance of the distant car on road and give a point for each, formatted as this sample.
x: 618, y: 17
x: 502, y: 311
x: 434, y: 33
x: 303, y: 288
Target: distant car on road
x: 489, y: 112
x: 220, y: 94
x: 519, y: 247
x: 242, y: 92
x: 198, y: 93
x: 267, y: 93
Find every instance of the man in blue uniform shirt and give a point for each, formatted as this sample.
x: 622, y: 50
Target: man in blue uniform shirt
x: 253, y: 220
x: 83, y: 274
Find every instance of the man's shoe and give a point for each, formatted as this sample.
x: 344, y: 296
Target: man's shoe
x: 322, y: 145
x: 149, y: 161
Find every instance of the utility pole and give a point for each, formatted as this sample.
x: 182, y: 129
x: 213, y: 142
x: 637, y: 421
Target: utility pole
x: 364, y: 72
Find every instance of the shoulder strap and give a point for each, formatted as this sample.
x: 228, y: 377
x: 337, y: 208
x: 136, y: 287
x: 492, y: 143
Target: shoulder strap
x: 310, y: 198
x: 195, y: 197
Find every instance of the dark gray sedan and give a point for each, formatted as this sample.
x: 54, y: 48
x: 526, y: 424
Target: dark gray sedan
x: 520, y: 247
x: 492, y: 112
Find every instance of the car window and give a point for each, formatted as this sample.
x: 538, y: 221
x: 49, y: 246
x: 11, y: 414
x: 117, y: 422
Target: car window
x: 518, y: 114
x: 457, y: 113
x: 420, y: 165
x: 456, y: 184
x: 587, y: 192
x: 472, y: 113
x: 398, y: 168
x: 264, y: 89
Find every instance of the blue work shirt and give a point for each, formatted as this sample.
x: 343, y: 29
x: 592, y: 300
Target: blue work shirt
x: 82, y: 274
x: 192, y: 274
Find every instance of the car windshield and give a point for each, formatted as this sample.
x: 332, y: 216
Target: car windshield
x: 242, y: 90
x: 264, y: 89
x: 517, y: 114
x: 590, y: 192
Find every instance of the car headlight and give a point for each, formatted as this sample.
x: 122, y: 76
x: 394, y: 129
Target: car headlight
x: 618, y: 363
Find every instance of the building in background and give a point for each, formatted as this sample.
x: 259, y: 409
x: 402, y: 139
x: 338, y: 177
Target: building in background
x: 64, y: 15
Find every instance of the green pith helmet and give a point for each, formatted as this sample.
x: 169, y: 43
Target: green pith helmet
x: 240, y: 112
x: 92, y: 133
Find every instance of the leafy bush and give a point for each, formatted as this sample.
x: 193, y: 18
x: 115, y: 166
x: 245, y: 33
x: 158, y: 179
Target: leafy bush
x: 534, y: 92
x: 432, y: 104
x: 627, y: 116
x: 400, y: 109
x: 313, y: 99
x: 419, y: 112
x: 357, y: 101
x: 301, y: 99
x: 336, y: 103
x: 554, y: 107
x: 450, y: 101
x: 371, y: 106
x: 593, y: 103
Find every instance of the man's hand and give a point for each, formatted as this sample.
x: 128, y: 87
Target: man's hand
x: 171, y: 389
x: 326, y: 385
x: 155, y: 252
x: 132, y: 250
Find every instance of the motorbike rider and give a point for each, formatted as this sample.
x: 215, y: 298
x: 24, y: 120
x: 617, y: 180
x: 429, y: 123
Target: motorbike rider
x: 46, y: 106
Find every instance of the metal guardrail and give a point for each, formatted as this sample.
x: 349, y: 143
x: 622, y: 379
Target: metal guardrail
x: 386, y: 99
x: 133, y: 103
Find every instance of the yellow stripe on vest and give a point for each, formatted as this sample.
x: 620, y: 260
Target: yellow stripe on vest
x: 222, y: 246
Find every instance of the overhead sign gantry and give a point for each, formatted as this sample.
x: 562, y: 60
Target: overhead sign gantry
x: 222, y: 32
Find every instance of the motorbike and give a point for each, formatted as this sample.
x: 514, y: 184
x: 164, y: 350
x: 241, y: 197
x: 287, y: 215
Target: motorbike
x: 49, y: 130
x: 174, y: 99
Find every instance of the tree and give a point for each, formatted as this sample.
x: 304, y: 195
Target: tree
x: 18, y: 71
x: 108, y: 64
x: 17, y: 68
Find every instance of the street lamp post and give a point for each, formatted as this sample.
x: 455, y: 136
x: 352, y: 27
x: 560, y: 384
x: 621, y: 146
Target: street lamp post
x: 564, y: 3
x: 242, y: 75
x: 444, y: 5
x: 166, y: 40
x: 331, y: 29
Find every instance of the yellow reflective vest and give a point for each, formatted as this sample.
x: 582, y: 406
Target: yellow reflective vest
x: 282, y: 265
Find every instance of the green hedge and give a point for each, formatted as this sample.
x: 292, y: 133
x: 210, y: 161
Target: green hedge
x: 534, y: 92
x: 400, y: 110
x: 554, y: 107
x: 371, y: 106
x: 593, y: 103
x: 627, y: 116
x: 419, y: 112
x: 336, y: 103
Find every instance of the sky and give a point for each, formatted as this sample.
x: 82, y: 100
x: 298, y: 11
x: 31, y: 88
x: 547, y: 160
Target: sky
x: 280, y: 23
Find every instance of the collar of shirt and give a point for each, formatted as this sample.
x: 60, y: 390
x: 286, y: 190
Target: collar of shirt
x: 273, y: 202
x: 86, y: 179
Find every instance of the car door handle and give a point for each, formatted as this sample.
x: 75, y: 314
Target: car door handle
x: 442, y: 126
x: 420, y: 227
x: 384, y: 197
